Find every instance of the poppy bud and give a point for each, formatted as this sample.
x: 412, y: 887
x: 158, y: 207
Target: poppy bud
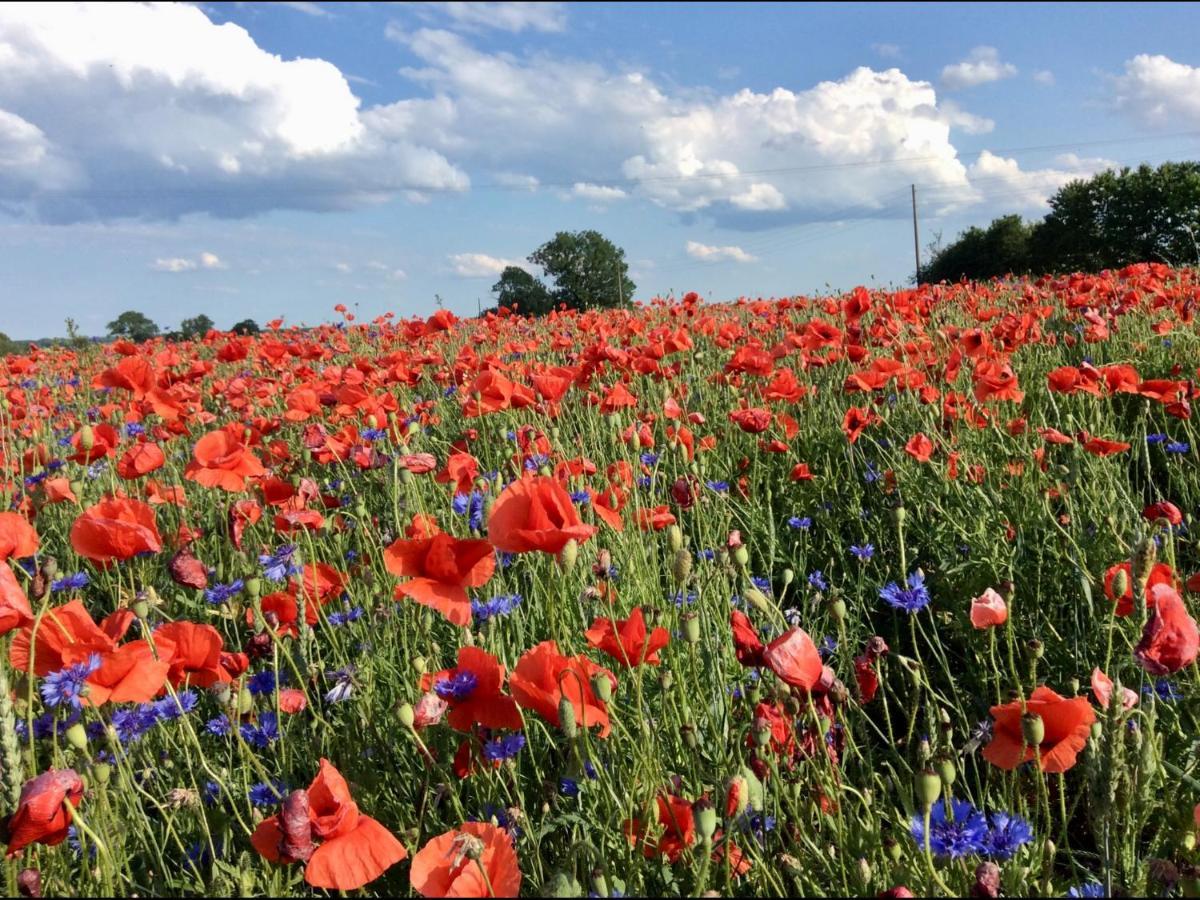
x: 599, y: 883
x: 837, y: 608
x: 758, y: 598
x: 675, y: 538
x: 419, y: 664
x: 245, y: 702
x: 602, y: 688
x: 898, y: 516
x: 101, y: 772
x: 568, y: 555
x: 688, y: 732
x: 372, y: 421
x: 77, y: 488
x: 407, y: 715
x: 706, y: 818
x: 87, y: 438
x: 893, y: 849
x: 253, y: 586
x: 929, y: 788
x: 741, y: 556
x: 566, y: 718
x: 788, y: 577
x: 946, y: 770
x: 666, y: 679
x: 77, y: 737
x: 563, y: 884
x: 691, y: 628
x: 49, y: 567
x: 753, y: 694
x: 864, y: 872
x: 1120, y: 583
x: 1033, y: 729
x: 681, y: 567
x: 141, y: 608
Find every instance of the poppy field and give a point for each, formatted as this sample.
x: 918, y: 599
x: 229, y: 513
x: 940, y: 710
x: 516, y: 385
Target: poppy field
x: 882, y: 593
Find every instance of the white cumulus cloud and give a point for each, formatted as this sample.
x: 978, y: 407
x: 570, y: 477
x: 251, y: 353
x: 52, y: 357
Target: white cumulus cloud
x: 173, y: 264
x: 511, y: 16
x: 480, y: 265
x: 707, y: 253
x: 1157, y: 91
x: 982, y: 65
x: 597, y: 192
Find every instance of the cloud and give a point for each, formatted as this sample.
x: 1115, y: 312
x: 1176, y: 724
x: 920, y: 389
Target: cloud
x: 1045, y: 76
x: 887, y: 51
x: 1002, y: 183
x: 597, y: 192
x: 981, y: 66
x: 155, y: 111
x: 173, y: 264
x: 513, y: 17
x: 309, y: 9
x: 178, y: 264
x: 706, y: 253
x: 480, y: 265
x: 1157, y: 91
x: 389, y: 272
x: 343, y: 268
x: 957, y: 117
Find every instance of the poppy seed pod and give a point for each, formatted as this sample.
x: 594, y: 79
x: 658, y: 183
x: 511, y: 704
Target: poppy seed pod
x: 893, y: 849
x: 1033, y: 729
x: 741, y: 556
x: 946, y: 770
x: 788, y: 577
x: 837, y: 608
x: 928, y: 788
x: 706, y: 818
x: 1035, y: 649
x: 602, y: 687
x: 101, y: 773
x: 898, y: 516
x: 691, y: 627
x: 77, y: 737
x: 253, y: 587
x: 407, y: 715
x: 688, y: 732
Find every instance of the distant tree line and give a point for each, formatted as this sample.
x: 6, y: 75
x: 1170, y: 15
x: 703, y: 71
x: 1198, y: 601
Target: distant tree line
x: 1108, y: 221
x: 585, y: 270
x: 130, y: 325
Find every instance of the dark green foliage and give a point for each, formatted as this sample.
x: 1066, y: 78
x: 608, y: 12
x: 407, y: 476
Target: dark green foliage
x: 132, y: 325
x: 586, y: 269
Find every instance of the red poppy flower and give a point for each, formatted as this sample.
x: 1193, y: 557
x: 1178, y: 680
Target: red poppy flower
x: 856, y: 421
x: 195, y: 653
x: 1067, y: 723
x: 461, y: 470
x: 678, y: 832
x: 746, y: 642
x: 104, y: 443
x: 15, y: 611
x: 1170, y: 640
x: 626, y: 640
x: 607, y: 506
x: 441, y: 568
x: 751, y: 421
x: 1163, y: 509
x: 544, y: 676
x: 139, y: 460
x: 42, y: 816
x: 1102, y: 689
x: 17, y: 537
x: 476, y: 697
x: 1160, y: 573
x: 354, y: 849
x: 67, y: 635
x: 793, y: 657
x: 221, y: 459
x: 800, y: 472
x: 115, y: 529
x: 1100, y: 446
x: 535, y: 513
x: 129, y: 674
x: 655, y: 519
x: 919, y: 447
x: 444, y: 868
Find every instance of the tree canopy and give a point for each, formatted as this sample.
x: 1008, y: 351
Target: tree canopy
x: 1108, y: 221
x: 584, y: 268
x: 132, y: 325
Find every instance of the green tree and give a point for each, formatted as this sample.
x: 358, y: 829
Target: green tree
x: 132, y: 325
x: 1003, y: 248
x: 246, y: 326
x: 8, y: 346
x: 195, y: 327
x: 519, y: 290
x: 587, y: 270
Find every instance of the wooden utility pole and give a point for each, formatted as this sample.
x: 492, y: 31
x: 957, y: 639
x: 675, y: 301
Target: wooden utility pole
x: 916, y: 245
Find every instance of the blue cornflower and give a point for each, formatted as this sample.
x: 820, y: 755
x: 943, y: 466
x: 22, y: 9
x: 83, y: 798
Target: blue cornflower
x: 343, y: 685
x: 911, y: 599
x: 263, y: 794
x: 649, y: 459
x: 679, y: 598
x: 761, y: 582
x: 801, y: 523
x: 262, y: 733
x: 504, y: 559
x: 132, y: 724
x: 170, y: 707
x: 71, y: 583
x: 218, y: 727
x: 707, y: 554
x: 211, y: 793
x: 817, y: 580
x: 581, y: 498
x: 1088, y: 889
x: 864, y: 552
x: 278, y: 566
x: 872, y: 474
x: 134, y: 429
x: 66, y: 686
x: 757, y: 823
x: 458, y: 686
x: 827, y: 648
x: 261, y: 683
x: 343, y: 617
x: 502, y: 748
x: 1177, y: 447
x: 964, y: 836
x: 721, y: 487
x: 645, y: 482
x: 500, y: 605
x: 1006, y: 835
x: 220, y: 593
x: 1155, y: 438
x: 373, y: 434
x: 1164, y: 689
x: 568, y: 787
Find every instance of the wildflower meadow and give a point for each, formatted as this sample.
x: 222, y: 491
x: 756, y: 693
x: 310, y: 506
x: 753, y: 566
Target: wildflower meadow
x: 882, y: 593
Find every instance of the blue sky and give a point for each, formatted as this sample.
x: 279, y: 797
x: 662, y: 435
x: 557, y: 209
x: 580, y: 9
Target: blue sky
x: 264, y: 160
